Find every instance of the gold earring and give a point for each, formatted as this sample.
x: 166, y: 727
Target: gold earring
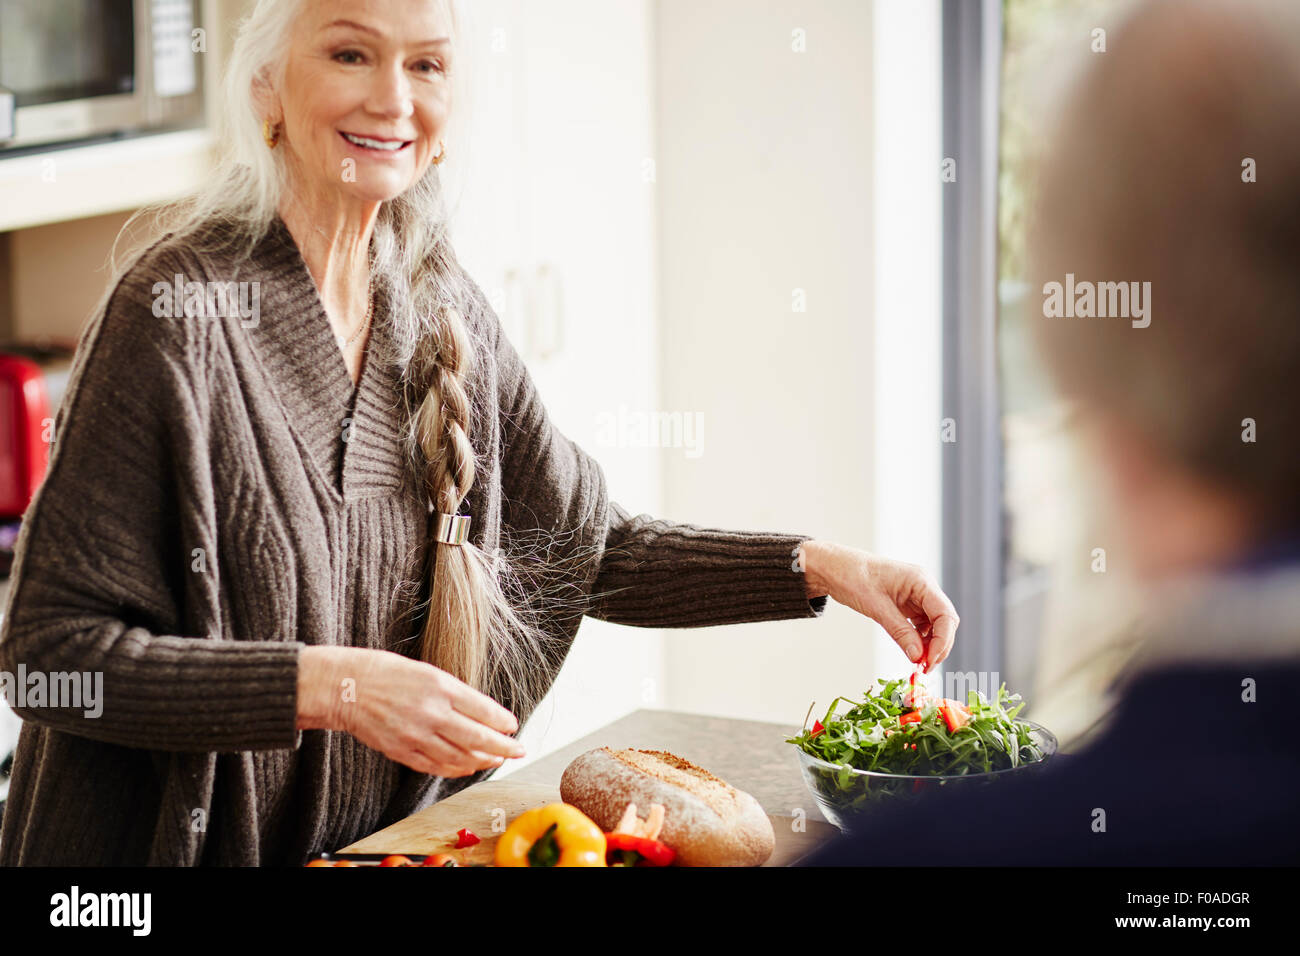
x: 437, y: 160
x: 270, y: 134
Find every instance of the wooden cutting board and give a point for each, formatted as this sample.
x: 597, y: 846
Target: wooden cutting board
x: 488, y: 807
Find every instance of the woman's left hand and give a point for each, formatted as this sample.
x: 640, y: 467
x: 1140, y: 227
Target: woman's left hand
x: 902, y: 598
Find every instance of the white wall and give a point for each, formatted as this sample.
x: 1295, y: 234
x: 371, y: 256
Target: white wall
x: 816, y: 171
x: 765, y: 187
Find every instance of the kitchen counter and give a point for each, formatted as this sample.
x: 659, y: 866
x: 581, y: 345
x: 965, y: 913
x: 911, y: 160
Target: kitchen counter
x: 750, y: 755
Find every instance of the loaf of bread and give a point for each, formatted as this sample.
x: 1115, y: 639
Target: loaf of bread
x: 706, y: 820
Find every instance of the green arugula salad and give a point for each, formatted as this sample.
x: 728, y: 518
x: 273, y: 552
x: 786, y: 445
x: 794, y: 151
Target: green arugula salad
x: 898, y: 741
x: 901, y: 730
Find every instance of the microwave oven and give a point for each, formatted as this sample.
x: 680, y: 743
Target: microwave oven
x: 78, y: 70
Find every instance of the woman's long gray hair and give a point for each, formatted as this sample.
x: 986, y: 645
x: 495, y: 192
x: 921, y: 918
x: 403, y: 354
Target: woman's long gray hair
x: 482, y: 618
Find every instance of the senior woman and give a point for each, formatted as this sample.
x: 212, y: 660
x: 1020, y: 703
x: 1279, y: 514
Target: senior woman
x: 328, y: 552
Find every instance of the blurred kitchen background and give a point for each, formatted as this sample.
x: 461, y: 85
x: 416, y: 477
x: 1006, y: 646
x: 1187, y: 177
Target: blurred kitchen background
x: 790, y: 232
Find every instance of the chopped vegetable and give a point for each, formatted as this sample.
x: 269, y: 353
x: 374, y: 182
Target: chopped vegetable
x: 954, y: 714
x: 916, y: 696
x: 635, y: 842
x: 554, y: 835
x: 439, y: 859
x: 396, y: 860
x: 631, y: 824
x: 465, y: 838
x: 624, y: 849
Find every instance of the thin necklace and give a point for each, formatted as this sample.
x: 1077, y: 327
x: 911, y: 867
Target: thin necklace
x: 370, y: 308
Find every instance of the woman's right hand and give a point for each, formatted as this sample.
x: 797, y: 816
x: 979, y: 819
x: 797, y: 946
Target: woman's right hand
x: 408, y: 710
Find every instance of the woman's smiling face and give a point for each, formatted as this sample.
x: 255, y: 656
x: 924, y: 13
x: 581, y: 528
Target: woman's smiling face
x: 366, y: 94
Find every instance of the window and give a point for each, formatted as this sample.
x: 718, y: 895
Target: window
x: 1024, y: 547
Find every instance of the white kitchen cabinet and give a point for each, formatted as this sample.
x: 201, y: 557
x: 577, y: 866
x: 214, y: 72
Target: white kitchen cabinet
x: 555, y: 221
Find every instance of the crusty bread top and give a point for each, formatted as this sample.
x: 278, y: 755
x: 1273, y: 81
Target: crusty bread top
x: 717, y: 793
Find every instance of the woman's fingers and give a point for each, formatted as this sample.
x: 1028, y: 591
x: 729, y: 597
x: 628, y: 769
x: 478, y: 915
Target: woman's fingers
x: 482, y: 708
x: 945, y: 635
x: 472, y: 735
x: 904, y: 600
x: 444, y: 758
x: 427, y: 719
x: 905, y: 635
x: 943, y: 621
x: 468, y: 757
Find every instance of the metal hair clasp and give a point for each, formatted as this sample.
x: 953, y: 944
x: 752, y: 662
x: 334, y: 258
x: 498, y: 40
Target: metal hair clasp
x: 452, y: 529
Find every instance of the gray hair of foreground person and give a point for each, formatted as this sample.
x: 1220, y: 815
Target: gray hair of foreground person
x: 1176, y: 162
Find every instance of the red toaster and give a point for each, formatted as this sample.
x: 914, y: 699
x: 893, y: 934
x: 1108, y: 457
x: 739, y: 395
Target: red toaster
x: 33, y: 377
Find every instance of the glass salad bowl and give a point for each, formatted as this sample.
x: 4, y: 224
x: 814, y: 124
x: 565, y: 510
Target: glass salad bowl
x: 845, y: 795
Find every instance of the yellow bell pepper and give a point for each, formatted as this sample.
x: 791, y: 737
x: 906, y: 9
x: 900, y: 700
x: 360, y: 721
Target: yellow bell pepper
x: 554, y: 835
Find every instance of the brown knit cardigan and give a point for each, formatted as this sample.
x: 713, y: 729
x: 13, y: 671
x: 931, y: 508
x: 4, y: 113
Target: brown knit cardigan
x: 219, y: 496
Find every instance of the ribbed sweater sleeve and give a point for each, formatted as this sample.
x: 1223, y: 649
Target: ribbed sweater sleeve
x: 652, y: 572
x: 106, y: 557
x: 659, y: 573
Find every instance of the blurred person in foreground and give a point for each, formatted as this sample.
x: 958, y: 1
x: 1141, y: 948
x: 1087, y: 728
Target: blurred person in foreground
x: 1176, y: 162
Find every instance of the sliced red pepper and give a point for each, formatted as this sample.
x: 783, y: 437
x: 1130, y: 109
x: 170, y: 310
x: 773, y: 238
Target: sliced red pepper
x: 817, y: 729
x: 911, y: 717
x: 955, y: 715
x: 465, y: 838
x: 648, y: 852
x: 915, y: 697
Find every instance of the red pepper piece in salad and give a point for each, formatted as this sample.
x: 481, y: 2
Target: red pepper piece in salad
x: 816, y: 729
x: 955, y: 714
x: 916, y: 695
